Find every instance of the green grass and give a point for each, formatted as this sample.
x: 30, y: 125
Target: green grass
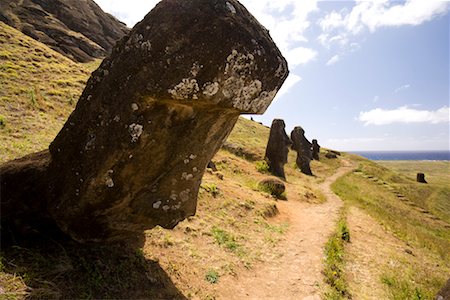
x: 262, y: 167
x: 335, y: 262
x: 250, y: 135
x: 405, y: 208
x: 212, y: 276
x: 225, y: 239
x: 37, y: 92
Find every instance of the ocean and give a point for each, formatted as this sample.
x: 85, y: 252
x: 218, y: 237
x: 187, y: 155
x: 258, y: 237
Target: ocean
x: 404, y: 155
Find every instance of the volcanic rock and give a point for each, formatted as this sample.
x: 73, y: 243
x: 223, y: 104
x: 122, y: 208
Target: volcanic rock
x: 315, y: 150
x: 277, y: 149
x: 132, y: 154
x: 275, y: 186
x: 330, y: 155
x: 303, y: 148
x: 444, y: 293
x: 421, y: 178
x: 78, y: 29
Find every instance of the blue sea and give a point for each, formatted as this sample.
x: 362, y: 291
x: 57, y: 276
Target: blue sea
x: 404, y: 155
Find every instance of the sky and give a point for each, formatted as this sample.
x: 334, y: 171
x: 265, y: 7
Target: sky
x: 364, y: 75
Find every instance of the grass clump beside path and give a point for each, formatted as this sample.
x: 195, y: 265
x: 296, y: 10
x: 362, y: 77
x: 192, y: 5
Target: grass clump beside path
x: 415, y: 213
x: 335, y: 261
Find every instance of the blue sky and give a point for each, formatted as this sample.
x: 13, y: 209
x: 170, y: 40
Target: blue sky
x: 365, y: 75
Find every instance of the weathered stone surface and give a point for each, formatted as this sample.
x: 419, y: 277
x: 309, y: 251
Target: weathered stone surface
x: 421, y: 178
x: 211, y: 165
x: 275, y: 186
x: 444, y: 293
x: 245, y: 153
x: 303, y: 148
x: 315, y: 150
x: 132, y: 154
x: 80, y: 30
x: 277, y: 149
x: 24, y: 179
x: 330, y: 155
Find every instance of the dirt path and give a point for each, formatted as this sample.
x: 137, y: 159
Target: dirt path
x: 295, y: 272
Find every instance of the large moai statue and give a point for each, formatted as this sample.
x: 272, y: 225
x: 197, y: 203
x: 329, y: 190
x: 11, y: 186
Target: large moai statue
x: 303, y: 148
x: 277, y: 149
x: 315, y: 150
x: 132, y: 154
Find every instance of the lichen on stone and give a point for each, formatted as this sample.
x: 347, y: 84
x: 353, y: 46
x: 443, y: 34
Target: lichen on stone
x: 187, y: 88
x: 135, y: 131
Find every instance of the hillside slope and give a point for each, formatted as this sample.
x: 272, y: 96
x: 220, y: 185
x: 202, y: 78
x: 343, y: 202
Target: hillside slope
x: 78, y: 29
x: 241, y: 235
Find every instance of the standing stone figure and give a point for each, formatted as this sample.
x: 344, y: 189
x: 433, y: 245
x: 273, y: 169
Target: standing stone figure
x: 303, y: 148
x: 133, y: 152
x: 277, y: 148
x: 421, y: 178
x: 315, y: 150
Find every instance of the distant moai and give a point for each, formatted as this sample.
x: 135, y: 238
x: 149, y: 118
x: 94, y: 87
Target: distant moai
x: 421, y: 178
x: 303, y: 148
x: 315, y: 150
x: 277, y: 148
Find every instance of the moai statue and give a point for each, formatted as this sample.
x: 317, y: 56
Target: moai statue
x: 303, y: 148
x: 315, y: 150
x: 133, y: 152
x: 421, y: 178
x: 277, y: 149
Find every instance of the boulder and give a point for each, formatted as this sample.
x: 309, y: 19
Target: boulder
x: 421, y: 178
x: 274, y: 186
x: 277, y: 149
x: 444, y: 293
x: 211, y: 165
x: 330, y: 155
x: 237, y: 150
x: 132, y: 154
x: 303, y: 148
x: 315, y: 150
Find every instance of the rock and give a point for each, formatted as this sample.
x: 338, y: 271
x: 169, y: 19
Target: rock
x: 132, y: 154
x: 330, y: 155
x: 212, y: 166
x: 444, y: 293
x: 303, y: 148
x: 277, y: 148
x: 80, y: 30
x: 421, y: 178
x: 241, y: 151
x: 25, y: 179
x: 274, y: 186
x: 315, y: 150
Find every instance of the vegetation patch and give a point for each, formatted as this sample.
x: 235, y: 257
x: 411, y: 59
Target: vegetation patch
x: 335, y: 262
x: 225, y: 239
x: 262, y: 167
x: 212, y: 276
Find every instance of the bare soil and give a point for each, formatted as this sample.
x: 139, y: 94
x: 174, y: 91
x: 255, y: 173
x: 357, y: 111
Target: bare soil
x: 295, y: 272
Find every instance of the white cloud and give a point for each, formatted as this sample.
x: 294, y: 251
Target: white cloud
x: 292, y: 80
x: 299, y: 56
x: 404, y: 114
x: 402, y: 88
x: 333, y: 60
x: 373, y: 15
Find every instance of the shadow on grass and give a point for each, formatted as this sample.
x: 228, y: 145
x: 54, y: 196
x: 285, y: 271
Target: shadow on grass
x: 68, y: 270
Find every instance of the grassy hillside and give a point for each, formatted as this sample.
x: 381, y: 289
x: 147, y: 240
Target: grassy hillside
x: 233, y: 229
x: 38, y: 90
x: 416, y: 213
x: 236, y: 227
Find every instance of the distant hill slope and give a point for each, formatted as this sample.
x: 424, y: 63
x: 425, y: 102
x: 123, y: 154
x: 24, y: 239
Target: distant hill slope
x: 38, y: 90
x: 78, y: 29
